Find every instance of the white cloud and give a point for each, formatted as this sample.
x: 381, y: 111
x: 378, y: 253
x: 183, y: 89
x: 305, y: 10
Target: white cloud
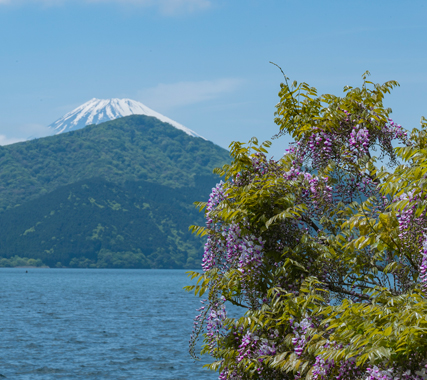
x: 168, y: 7
x: 43, y: 2
x: 6, y: 140
x: 22, y: 132
x: 166, y: 96
x: 177, y: 6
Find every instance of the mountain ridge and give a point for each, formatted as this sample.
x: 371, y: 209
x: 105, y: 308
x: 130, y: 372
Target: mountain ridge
x: 97, y: 111
x: 125, y: 148
x: 115, y: 195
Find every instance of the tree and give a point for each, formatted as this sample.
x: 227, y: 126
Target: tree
x: 323, y: 251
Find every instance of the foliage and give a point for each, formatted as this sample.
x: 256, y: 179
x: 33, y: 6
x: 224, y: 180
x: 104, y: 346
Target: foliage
x: 17, y: 261
x: 118, y: 194
x: 99, y: 224
x: 323, y: 252
x: 131, y: 148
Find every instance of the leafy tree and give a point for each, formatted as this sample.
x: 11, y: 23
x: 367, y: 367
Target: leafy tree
x: 323, y: 252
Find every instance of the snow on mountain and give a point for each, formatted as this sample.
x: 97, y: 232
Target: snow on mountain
x: 97, y: 111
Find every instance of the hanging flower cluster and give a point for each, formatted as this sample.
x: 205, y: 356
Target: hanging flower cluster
x: 315, y: 189
x: 412, y: 228
x: 253, y: 347
x: 376, y: 373
x: 322, y: 368
x: 423, y: 266
x: 215, y: 323
x: 300, y: 329
x: 359, y: 140
x: 227, y: 247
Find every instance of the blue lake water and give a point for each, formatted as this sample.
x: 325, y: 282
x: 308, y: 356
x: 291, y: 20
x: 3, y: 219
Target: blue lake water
x: 96, y: 324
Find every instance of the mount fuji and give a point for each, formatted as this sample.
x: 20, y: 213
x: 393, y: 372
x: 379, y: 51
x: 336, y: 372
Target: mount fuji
x: 97, y: 111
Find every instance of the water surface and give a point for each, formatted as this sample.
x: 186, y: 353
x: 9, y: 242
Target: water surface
x: 96, y: 324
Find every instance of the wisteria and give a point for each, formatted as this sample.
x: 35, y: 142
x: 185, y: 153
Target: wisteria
x: 300, y: 339
x: 215, y: 323
x: 375, y: 373
x: 313, y: 238
x: 423, y: 265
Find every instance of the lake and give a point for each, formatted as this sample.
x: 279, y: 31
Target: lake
x: 96, y: 324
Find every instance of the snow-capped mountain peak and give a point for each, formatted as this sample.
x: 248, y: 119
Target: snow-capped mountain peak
x: 97, y: 111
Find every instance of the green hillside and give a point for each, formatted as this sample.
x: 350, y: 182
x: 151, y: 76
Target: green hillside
x: 129, y: 148
x: 116, y: 195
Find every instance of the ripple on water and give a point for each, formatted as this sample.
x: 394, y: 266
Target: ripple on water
x: 96, y: 324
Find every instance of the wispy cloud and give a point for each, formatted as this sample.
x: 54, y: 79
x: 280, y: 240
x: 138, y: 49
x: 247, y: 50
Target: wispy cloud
x: 22, y: 132
x: 6, y: 140
x: 167, y: 7
x: 23, y: 2
x: 167, y: 96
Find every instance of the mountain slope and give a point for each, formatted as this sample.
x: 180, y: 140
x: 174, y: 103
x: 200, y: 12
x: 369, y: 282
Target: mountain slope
x: 98, y: 111
x: 97, y: 223
x: 129, y: 148
x: 115, y: 195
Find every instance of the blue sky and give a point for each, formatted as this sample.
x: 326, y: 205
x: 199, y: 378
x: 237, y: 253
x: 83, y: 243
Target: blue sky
x: 203, y: 63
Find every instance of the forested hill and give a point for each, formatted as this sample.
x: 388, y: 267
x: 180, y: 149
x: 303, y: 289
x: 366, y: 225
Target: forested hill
x: 129, y: 148
x: 118, y: 194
